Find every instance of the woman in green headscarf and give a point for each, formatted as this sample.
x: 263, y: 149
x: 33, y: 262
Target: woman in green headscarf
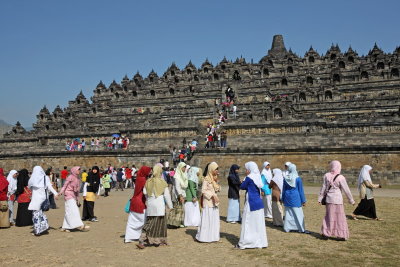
x: 175, y: 217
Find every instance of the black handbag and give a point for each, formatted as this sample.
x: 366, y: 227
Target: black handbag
x: 45, y: 206
x: 323, y: 201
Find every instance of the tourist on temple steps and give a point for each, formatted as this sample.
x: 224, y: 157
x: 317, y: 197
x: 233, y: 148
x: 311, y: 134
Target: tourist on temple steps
x: 293, y: 199
x: 24, y: 194
x: 12, y: 188
x: 277, y: 185
x: 209, y: 229
x: 192, y: 208
x: 266, y: 177
x: 366, y: 207
x: 335, y: 223
x: 253, y: 233
x: 4, y: 214
x: 233, y: 195
x: 154, y: 231
x: 40, y: 184
x: 137, y: 209
x: 176, y: 216
x: 70, y: 190
x: 91, y: 190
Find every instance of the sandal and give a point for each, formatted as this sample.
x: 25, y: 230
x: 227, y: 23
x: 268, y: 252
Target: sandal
x: 64, y: 230
x: 140, y: 246
x: 84, y: 228
x: 354, y: 217
x: 378, y: 219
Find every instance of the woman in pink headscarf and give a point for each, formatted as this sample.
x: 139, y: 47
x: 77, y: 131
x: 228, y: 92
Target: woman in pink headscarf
x: 334, y: 223
x: 72, y: 218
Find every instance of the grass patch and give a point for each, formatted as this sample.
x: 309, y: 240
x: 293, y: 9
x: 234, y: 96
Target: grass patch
x: 371, y: 243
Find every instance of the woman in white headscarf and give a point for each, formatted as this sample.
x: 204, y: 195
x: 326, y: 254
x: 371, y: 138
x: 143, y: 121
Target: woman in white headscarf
x: 192, y: 209
x: 266, y: 177
x: 12, y: 188
x: 293, y: 198
x: 366, y: 207
x: 39, y: 183
x: 253, y: 233
x: 285, y: 172
x: 176, y: 216
x: 277, y: 185
x: 209, y: 228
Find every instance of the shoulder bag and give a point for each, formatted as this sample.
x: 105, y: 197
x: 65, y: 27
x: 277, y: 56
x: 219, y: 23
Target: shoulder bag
x: 45, y: 206
x: 323, y: 201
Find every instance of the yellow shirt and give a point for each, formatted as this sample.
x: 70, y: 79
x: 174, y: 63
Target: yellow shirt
x: 84, y: 176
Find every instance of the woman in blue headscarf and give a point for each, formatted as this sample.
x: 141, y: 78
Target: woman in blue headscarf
x: 293, y: 199
x: 233, y: 195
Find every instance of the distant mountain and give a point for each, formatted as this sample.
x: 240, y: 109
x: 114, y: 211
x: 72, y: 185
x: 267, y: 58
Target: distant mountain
x: 4, y: 127
x: 3, y: 123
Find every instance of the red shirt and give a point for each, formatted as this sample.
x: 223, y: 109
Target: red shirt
x: 128, y: 173
x: 25, y: 197
x: 3, y: 186
x: 64, y: 174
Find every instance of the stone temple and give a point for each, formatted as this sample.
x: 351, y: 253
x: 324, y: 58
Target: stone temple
x: 308, y: 110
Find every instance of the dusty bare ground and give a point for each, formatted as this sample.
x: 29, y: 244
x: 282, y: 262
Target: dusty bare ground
x: 371, y: 242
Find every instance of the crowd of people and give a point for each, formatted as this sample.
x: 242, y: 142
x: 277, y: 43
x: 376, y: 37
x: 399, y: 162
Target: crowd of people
x: 184, y: 154
x: 166, y: 197
x: 115, y: 142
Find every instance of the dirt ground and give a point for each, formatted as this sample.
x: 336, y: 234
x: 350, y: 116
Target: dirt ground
x: 371, y: 242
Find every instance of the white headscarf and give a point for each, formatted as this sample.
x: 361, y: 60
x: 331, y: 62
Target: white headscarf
x: 37, y: 178
x: 254, y: 173
x: 364, y: 176
x: 286, y: 172
x: 12, y: 182
x: 192, y: 175
x: 292, y: 176
x: 278, y: 178
x: 267, y: 173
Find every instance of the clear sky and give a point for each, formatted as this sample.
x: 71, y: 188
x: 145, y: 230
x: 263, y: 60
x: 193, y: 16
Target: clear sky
x: 51, y: 50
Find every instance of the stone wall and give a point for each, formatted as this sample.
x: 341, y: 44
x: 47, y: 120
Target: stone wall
x: 311, y: 166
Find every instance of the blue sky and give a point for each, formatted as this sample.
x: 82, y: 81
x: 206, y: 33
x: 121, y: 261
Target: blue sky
x: 50, y: 50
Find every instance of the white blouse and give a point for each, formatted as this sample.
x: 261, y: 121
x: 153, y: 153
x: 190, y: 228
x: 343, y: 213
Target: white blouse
x: 156, y: 206
x: 39, y: 195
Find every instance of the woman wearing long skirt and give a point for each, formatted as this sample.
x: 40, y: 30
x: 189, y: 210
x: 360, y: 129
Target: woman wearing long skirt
x: 137, y: 209
x: 177, y: 215
x: 91, y: 190
x: 4, y: 219
x: 366, y: 207
x: 192, y: 208
x: 24, y: 194
x: 72, y: 219
x: 277, y: 185
x: 335, y: 223
x: 233, y: 195
x: 39, y: 183
x: 209, y: 229
x: 154, y: 231
x: 253, y: 233
x: 266, y: 176
x: 293, y: 199
x: 12, y: 188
